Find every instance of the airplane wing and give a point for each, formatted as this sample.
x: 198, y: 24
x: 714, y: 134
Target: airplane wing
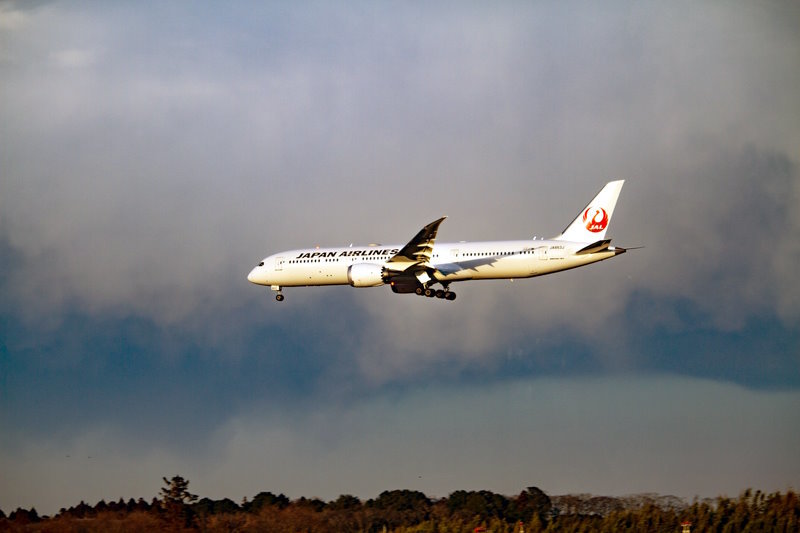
x: 419, y: 250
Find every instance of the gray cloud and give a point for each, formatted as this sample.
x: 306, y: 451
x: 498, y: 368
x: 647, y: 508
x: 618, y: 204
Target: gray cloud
x: 609, y: 436
x: 152, y: 156
x: 147, y: 182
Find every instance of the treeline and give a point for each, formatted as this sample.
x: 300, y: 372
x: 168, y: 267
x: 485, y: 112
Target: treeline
x: 409, y: 511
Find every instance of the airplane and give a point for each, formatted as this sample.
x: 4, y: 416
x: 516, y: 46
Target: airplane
x: 422, y: 263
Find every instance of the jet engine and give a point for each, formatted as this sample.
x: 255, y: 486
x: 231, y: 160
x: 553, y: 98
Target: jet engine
x: 365, y: 275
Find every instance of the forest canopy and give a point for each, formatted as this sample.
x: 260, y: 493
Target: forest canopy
x: 532, y: 510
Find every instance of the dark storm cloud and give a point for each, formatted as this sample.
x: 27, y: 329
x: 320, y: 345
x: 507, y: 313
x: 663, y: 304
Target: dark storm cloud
x: 151, y: 156
x: 162, y: 167
x: 160, y: 151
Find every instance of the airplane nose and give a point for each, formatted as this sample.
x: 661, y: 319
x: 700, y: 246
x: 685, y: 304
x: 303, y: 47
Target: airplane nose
x: 252, y: 277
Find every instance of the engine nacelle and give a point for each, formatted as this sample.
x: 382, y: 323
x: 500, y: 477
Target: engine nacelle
x: 365, y: 275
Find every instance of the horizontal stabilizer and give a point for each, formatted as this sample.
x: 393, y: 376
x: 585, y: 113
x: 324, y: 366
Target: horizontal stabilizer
x: 595, y: 247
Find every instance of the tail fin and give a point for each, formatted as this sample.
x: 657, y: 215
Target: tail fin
x: 592, y: 222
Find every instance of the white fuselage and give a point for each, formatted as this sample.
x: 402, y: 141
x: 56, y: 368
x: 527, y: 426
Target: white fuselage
x: 423, y: 262
x: 460, y: 261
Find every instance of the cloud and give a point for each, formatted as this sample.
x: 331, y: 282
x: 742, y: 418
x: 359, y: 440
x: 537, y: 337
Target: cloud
x: 11, y: 18
x: 606, y: 436
x: 151, y: 156
x: 148, y: 185
x: 74, y: 58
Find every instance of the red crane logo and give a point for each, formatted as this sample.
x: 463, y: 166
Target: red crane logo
x: 596, y: 219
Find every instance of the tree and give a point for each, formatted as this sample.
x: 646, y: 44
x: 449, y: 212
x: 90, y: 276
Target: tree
x: 484, y: 503
x: 23, y: 516
x: 101, y: 507
x: 175, y: 500
x: 207, y: 506
x: 531, y: 501
x: 401, y: 507
x: 345, y: 502
x: 265, y: 499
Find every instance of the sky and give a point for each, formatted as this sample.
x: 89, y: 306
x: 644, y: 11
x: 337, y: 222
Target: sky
x: 151, y: 153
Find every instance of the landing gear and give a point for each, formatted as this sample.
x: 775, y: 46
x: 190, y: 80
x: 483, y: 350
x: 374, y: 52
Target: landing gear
x: 442, y: 294
x: 446, y: 294
x: 277, y: 289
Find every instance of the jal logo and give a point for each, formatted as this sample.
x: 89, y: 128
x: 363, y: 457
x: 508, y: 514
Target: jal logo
x: 596, y: 219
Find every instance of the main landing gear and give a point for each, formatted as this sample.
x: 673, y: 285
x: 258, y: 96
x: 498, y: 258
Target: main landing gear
x: 444, y: 294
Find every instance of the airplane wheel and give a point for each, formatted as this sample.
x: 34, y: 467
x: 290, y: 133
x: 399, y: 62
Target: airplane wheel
x: 440, y: 293
x: 450, y: 296
x: 418, y: 291
x: 279, y: 297
x: 430, y: 293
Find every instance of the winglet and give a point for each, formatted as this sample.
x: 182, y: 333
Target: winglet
x: 592, y: 222
x: 419, y: 249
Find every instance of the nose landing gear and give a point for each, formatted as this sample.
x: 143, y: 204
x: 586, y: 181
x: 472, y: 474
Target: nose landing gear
x: 277, y: 289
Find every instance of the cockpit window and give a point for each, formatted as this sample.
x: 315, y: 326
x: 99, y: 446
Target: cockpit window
x: 261, y: 264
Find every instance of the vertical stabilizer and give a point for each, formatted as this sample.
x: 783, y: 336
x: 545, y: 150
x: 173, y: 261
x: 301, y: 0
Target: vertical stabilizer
x: 592, y: 222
